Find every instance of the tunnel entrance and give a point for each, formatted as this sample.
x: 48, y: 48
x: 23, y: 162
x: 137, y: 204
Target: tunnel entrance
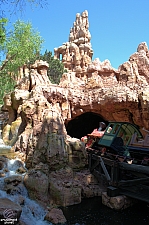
x: 84, y: 124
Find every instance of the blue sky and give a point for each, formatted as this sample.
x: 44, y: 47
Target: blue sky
x: 117, y: 27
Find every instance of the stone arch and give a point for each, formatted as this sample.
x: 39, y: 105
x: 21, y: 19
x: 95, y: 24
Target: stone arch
x: 84, y: 124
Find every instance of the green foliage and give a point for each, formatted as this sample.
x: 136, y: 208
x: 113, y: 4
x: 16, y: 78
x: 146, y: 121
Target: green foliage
x: 56, y: 67
x: 22, y: 44
x: 3, y: 22
x: 6, y: 84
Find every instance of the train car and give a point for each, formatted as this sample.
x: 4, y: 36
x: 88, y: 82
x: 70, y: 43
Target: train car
x: 120, y: 156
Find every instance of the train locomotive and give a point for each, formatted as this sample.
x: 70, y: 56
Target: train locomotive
x: 119, y: 156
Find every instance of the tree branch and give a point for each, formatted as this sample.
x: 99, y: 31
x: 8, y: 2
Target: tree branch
x: 6, y: 61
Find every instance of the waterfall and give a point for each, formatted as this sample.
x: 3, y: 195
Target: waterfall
x: 32, y: 212
x: 3, y: 148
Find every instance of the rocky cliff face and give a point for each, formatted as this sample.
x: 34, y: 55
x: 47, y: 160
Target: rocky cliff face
x: 95, y: 86
x: 38, y: 110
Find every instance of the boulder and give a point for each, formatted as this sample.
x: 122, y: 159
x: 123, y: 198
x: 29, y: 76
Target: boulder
x: 1, y: 165
x: 15, y: 179
x: 13, y: 184
x: 118, y: 203
x: 55, y: 216
x: 77, y: 157
x: 64, y: 196
x: 67, y: 187
x: 37, y: 185
x: 3, y: 162
x: 9, y: 210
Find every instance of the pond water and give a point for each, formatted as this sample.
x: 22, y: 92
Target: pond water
x: 93, y: 212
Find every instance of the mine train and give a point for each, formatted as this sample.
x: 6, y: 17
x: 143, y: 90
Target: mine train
x: 118, y: 156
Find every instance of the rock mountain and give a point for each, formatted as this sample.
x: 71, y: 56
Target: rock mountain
x: 45, y: 119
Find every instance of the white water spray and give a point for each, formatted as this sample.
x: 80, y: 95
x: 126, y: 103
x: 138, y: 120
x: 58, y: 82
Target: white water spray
x: 3, y: 148
x: 32, y: 212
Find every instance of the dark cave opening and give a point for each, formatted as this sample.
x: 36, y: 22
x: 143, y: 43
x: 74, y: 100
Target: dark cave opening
x: 84, y: 124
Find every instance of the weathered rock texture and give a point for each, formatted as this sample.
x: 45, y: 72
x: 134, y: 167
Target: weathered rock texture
x: 39, y: 110
x: 62, y: 187
x: 119, y: 202
x: 9, y: 210
x: 77, y: 52
x: 55, y: 216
